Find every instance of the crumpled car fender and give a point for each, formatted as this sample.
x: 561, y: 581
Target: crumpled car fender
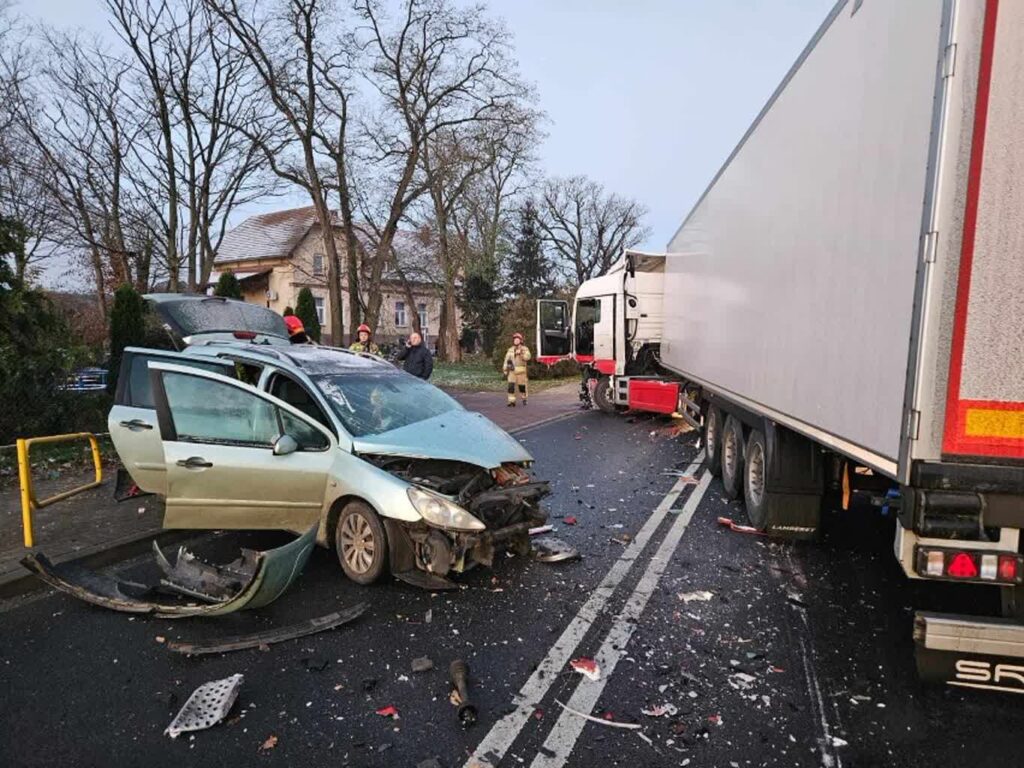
x: 275, y: 570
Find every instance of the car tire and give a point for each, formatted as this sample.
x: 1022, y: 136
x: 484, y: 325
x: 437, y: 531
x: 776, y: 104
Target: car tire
x: 732, y: 458
x: 713, y: 440
x: 604, y: 398
x: 361, y: 543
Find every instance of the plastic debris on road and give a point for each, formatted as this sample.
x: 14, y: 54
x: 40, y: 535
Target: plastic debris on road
x: 389, y: 711
x: 701, y: 596
x: 269, y: 743
x: 207, y: 706
x: 661, y: 710
x: 569, y: 520
x: 586, y: 667
x: 422, y: 664
x: 737, y: 528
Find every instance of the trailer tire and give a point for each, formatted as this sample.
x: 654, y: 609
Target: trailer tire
x: 604, y: 398
x: 762, y: 504
x: 713, y: 441
x: 732, y: 458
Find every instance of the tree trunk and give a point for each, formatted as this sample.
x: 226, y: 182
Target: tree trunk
x: 448, y: 346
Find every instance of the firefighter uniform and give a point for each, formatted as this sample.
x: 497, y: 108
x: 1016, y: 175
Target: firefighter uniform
x: 515, y: 368
x: 364, y: 346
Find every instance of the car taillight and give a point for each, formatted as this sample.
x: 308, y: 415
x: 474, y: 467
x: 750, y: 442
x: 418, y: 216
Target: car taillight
x: 245, y: 335
x: 970, y: 565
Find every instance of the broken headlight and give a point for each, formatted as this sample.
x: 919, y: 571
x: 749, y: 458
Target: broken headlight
x: 438, y: 511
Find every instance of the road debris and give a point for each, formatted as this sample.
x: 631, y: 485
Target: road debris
x: 459, y: 674
x: 266, y: 638
x: 274, y: 570
x: 269, y: 743
x: 422, y: 664
x: 541, y: 529
x: 684, y: 478
x: 737, y: 528
x: 602, y: 721
x: 586, y: 667
x: 207, y: 706
x: 661, y: 710
x: 569, y: 520
x: 553, y: 550
x: 389, y: 711
x: 741, y: 681
x: 700, y: 597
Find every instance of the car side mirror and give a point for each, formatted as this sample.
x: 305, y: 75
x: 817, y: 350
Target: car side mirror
x: 284, y: 445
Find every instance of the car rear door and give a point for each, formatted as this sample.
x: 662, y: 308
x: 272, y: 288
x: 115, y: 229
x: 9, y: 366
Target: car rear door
x: 132, y: 421
x: 218, y: 437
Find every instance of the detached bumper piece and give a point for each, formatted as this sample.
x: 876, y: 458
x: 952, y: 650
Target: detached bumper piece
x: 271, y: 636
x: 969, y: 652
x: 272, y: 572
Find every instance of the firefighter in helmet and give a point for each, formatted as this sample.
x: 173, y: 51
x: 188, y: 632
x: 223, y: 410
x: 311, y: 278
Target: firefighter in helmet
x: 296, y: 330
x: 516, y: 358
x: 364, y: 344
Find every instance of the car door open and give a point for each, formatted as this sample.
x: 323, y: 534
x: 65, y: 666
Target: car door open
x: 554, y: 331
x: 132, y: 422
x: 237, y: 457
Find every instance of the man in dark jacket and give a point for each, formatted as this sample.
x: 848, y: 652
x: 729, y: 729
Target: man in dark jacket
x: 416, y: 358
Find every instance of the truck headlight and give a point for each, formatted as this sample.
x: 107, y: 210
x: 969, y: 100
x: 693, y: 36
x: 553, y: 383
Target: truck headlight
x: 438, y: 511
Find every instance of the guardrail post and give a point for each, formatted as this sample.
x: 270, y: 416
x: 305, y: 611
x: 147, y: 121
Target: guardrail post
x: 25, y: 480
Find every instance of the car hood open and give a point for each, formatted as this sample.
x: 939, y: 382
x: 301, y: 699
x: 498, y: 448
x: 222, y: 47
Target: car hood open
x: 457, y: 435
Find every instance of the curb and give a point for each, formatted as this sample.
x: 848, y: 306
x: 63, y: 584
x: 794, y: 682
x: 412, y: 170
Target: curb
x: 15, y: 583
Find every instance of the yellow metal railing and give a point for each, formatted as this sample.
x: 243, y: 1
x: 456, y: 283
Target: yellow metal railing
x: 29, y: 502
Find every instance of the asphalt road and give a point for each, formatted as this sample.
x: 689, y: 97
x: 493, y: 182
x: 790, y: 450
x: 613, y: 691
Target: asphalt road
x: 800, y: 655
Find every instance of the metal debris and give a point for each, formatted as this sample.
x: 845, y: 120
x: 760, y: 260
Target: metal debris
x: 459, y: 674
x: 280, y: 634
x: 207, y: 706
x: 661, y: 710
x: 552, y: 550
x: 586, y: 667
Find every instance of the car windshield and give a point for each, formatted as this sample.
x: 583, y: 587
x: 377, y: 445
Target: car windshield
x: 214, y: 315
x: 372, y: 403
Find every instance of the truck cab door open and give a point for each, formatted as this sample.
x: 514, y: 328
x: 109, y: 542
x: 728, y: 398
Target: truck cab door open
x: 132, y: 422
x: 237, y: 457
x: 554, y: 331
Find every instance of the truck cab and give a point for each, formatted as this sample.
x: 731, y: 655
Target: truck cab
x: 613, y: 330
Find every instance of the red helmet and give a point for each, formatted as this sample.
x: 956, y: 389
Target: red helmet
x: 364, y: 327
x: 294, y: 325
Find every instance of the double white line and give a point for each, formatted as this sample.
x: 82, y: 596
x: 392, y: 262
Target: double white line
x: 568, y: 727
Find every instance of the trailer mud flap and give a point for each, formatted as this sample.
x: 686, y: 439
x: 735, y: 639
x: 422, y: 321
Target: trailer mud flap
x: 970, y: 653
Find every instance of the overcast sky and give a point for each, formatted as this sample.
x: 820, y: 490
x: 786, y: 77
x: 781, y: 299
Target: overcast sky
x: 648, y: 97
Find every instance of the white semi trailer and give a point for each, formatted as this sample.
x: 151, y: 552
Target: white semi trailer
x: 843, y: 308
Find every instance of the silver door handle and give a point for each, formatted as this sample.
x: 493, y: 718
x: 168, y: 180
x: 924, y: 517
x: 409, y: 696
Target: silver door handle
x: 136, y: 424
x: 194, y: 462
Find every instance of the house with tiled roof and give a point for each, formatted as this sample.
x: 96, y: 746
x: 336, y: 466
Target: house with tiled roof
x: 275, y: 255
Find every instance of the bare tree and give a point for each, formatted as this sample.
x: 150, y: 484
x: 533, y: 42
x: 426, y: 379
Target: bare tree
x: 200, y: 164
x: 441, y: 74
x: 587, y: 227
x: 283, y: 50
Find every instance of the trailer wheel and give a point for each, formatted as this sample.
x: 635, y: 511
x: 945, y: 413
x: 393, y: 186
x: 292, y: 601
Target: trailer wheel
x: 713, y: 441
x: 762, y: 506
x: 604, y: 398
x: 732, y: 458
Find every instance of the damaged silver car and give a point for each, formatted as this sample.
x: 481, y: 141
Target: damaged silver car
x: 398, y: 476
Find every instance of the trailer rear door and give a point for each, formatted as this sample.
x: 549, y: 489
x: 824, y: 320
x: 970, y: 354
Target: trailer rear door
x: 985, y: 398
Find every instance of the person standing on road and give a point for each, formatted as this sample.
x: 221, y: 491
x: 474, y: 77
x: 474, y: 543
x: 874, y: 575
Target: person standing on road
x: 516, y: 358
x: 364, y: 344
x: 416, y: 358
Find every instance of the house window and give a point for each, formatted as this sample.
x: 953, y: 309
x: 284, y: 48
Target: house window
x: 400, y: 321
x: 421, y: 310
x: 318, y: 302
x: 318, y: 265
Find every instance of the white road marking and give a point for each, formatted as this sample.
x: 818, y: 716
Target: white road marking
x: 497, y: 741
x: 563, y: 736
